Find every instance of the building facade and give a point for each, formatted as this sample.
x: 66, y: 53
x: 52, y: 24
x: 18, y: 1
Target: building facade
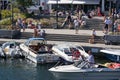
x: 105, y: 5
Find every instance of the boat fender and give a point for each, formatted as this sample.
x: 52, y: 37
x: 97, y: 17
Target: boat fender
x: 112, y: 65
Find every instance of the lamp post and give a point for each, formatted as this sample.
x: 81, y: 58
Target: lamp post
x: 12, y: 18
x: 12, y: 13
x: 56, y: 15
x: 72, y: 6
x: 0, y: 11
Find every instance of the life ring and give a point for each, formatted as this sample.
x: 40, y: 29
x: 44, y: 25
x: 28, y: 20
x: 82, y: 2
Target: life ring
x: 76, y: 55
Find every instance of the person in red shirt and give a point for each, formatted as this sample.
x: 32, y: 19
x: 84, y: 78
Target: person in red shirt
x: 76, y: 54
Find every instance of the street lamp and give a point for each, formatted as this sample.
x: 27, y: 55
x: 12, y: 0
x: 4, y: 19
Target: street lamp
x: 72, y: 6
x: 0, y: 11
x: 12, y: 13
x: 57, y: 14
x: 12, y: 18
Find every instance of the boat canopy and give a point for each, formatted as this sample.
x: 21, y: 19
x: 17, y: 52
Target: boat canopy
x: 35, y: 41
x: 10, y: 43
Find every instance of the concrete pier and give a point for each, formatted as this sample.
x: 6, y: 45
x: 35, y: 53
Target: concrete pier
x: 94, y: 47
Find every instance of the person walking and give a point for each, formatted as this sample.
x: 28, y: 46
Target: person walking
x: 115, y: 26
x: 108, y: 23
x: 42, y: 34
x: 76, y: 25
x: 19, y: 23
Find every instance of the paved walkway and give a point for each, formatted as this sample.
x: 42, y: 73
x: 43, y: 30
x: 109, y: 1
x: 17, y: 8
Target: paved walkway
x: 67, y: 31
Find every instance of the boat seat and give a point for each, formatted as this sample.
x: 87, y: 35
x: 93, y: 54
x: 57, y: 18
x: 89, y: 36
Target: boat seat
x: 34, y: 47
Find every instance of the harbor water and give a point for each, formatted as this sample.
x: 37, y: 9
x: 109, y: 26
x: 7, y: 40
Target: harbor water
x: 22, y: 69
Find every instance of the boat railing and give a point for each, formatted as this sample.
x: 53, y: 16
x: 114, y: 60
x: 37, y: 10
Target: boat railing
x: 82, y: 64
x: 58, y: 63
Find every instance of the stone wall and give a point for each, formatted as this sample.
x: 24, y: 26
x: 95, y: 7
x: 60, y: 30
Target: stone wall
x: 13, y: 34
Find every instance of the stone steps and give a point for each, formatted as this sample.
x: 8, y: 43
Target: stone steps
x: 91, y: 23
x: 95, y: 23
x: 63, y: 37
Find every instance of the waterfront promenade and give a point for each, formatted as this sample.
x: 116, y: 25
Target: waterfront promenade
x: 68, y: 32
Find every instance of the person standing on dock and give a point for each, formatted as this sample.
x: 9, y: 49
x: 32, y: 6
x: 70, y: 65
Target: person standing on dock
x: 76, y: 25
x: 35, y: 34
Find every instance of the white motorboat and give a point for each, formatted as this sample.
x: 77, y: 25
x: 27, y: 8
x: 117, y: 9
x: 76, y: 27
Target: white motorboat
x: 84, y: 71
x: 66, y: 51
x: 112, y: 54
x: 11, y: 49
x: 38, y: 51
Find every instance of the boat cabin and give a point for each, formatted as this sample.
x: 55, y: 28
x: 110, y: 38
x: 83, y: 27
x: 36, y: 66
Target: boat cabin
x: 38, y: 45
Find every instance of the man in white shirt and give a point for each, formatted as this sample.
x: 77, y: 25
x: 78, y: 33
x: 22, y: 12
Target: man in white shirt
x: 76, y: 25
x: 90, y: 58
x: 108, y: 23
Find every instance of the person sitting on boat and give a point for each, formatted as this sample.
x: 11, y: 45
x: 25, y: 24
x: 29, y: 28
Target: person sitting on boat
x: 76, y: 54
x: 42, y: 47
x: 90, y: 58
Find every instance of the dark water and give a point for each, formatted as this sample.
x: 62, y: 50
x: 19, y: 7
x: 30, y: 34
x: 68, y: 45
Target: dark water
x: 19, y: 69
x: 22, y: 69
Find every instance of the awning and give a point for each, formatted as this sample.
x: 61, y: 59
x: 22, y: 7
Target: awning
x: 73, y: 2
x: 52, y: 2
x: 59, y: 2
x: 86, y: 2
x: 66, y: 1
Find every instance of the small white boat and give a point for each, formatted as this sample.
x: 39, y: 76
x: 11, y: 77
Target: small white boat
x: 38, y: 51
x: 11, y: 49
x: 66, y: 51
x: 83, y: 71
x: 112, y: 54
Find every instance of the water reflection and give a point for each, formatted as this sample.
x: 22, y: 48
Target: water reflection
x: 12, y: 69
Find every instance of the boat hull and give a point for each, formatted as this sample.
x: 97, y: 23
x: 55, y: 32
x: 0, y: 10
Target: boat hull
x: 45, y: 58
x: 102, y: 75
x: 38, y: 58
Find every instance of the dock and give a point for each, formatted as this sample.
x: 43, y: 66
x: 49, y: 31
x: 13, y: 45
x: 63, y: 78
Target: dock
x: 94, y: 47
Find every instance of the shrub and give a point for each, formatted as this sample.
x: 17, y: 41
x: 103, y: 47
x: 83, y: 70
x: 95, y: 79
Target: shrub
x: 16, y: 10
x: 45, y: 22
x: 6, y: 21
x: 5, y: 13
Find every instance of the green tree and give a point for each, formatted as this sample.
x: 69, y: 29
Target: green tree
x: 24, y: 3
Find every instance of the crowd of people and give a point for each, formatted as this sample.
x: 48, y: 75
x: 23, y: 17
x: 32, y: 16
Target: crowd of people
x: 22, y: 25
x: 112, y: 22
x: 75, y: 22
x: 78, y: 20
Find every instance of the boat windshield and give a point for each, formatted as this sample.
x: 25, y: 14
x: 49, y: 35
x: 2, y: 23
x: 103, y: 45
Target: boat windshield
x: 67, y: 50
x: 82, y: 64
x: 35, y: 42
